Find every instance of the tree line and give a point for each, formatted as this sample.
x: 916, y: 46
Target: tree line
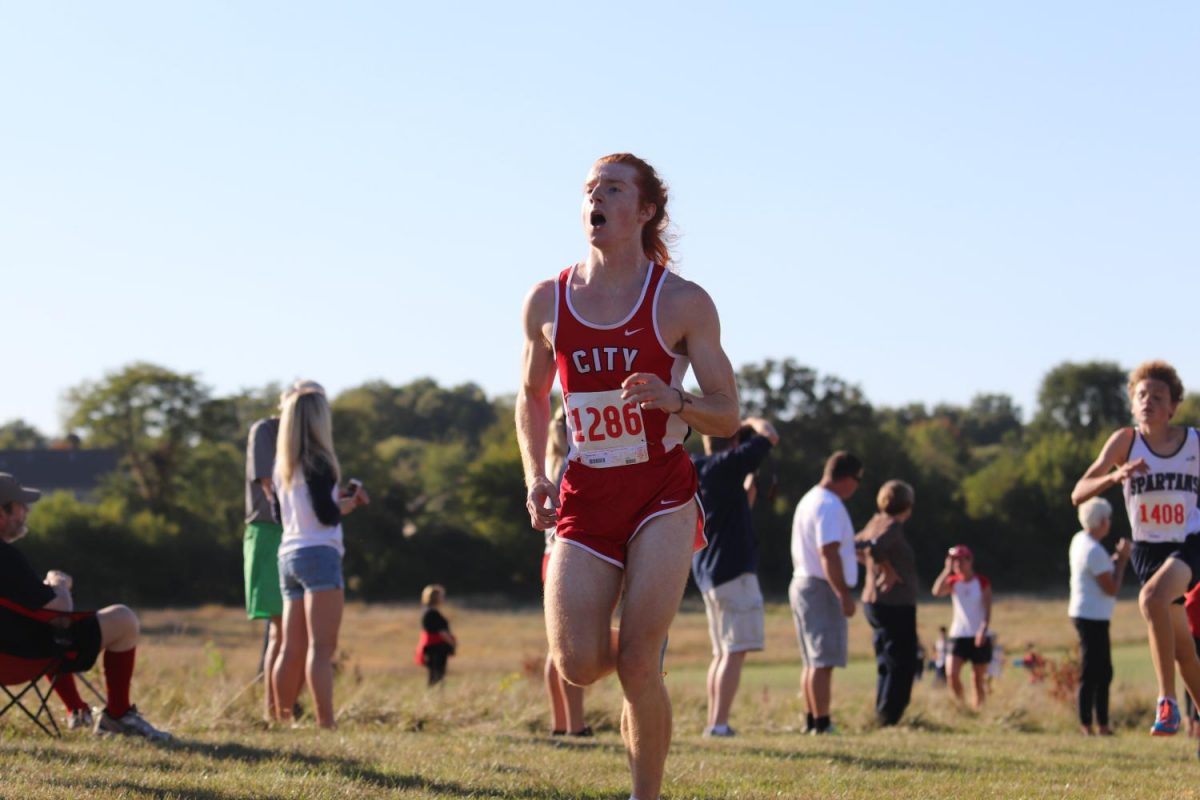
x: 444, y: 473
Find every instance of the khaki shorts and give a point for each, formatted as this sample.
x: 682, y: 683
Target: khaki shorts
x: 735, y: 615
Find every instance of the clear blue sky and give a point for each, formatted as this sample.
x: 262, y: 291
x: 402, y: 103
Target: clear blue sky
x: 928, y: 199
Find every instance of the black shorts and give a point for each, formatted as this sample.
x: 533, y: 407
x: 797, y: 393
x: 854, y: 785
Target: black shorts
x: 77, y: 636
x: 1147, y: 557
x: 81, y: 639
x: 964, y: 647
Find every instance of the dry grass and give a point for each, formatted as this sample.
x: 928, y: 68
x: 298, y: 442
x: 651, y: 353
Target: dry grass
x: 482, y: 734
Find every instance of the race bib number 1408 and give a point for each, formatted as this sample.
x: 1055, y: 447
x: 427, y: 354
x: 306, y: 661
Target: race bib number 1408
x: 1163, y: 511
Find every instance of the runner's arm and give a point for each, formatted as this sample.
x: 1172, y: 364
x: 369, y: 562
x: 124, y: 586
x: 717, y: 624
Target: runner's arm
x: 533, y: 405
x: 1101, y: 475
x: 698, y: 329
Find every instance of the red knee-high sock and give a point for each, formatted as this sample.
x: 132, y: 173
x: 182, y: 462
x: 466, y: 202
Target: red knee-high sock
x: 68, y: 692
x: 118, y: 674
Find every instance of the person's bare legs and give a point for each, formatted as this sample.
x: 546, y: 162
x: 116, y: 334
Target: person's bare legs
x: 581, y: 594
x: 573, y: 695
x: 806, y: 685
x: 270, y: 656
x: 289, y: 664
x: 1155, y: 599
x: 323, y: 611
x: 954, y: 666
x: 566, y: 701
x: 729, y: 675
x: 821, y: 682
x: 119, y: 629
x: 558, y: 705
x: 980, y: 674
x: 710, y: 683
x: 656, y: 571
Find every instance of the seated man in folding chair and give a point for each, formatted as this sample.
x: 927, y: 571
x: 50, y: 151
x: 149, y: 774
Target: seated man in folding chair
x: 113, y: 630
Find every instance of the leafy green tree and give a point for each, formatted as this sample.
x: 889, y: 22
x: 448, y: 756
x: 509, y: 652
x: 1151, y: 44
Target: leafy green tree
x: 1189, y: 411
x: 151, y: 414
x: 1084, y: 398
x: 228, y: 419
x: 937, y: 445
x: 989, y: 419
x: 420, y: 410
x: 493, y: 505
x: 18, y: 434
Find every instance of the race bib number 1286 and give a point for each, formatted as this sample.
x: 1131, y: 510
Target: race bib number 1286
x: 606, y: 430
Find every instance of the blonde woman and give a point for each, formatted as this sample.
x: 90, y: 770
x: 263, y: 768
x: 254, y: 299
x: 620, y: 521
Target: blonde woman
x: 311, y: 507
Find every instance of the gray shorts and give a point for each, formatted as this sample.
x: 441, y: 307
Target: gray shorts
x: 735, y: 615
x: 821, y: 627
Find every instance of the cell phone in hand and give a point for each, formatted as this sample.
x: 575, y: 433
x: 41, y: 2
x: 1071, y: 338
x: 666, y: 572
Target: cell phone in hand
x: 352, y: 487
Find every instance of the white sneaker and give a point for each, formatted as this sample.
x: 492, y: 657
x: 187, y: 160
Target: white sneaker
x: 79, y: 719
x: 131, y: 723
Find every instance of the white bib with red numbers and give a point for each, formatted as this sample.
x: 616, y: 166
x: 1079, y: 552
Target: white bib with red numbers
x: 606, y: 430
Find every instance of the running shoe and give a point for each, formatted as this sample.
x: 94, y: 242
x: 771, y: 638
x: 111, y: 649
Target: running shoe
x: 719, y: 731
x: 1167, y: 721
x: 79, y: 719
x: 131, y: 723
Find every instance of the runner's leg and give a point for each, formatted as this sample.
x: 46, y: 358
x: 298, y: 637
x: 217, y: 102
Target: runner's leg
x: 581, y: 593
x: 656, y: 573
x: 954, y: 666
x: 1169, y: 582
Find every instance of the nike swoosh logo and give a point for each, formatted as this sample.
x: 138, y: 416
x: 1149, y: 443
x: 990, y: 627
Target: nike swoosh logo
x: 632, y: 332
x: 667, y: 502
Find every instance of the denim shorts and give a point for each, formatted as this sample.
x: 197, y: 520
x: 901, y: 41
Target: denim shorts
x: 310, y: 569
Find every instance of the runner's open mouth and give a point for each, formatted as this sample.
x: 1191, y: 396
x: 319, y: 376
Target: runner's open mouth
x: 597, y: 219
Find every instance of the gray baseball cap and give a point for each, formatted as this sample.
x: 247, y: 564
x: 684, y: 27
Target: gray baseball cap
x: 13, y: 492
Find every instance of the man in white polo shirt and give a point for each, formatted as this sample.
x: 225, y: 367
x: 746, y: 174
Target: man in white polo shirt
x: 823, y: 571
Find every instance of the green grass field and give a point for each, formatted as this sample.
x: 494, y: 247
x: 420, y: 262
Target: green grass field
x: 483, y: 734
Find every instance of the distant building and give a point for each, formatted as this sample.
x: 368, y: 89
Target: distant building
x: 61, y: 469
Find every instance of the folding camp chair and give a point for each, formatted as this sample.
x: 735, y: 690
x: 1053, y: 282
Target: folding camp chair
x: 24, y: 673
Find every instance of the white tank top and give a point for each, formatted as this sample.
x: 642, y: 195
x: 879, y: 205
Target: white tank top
x: 1164, y: 503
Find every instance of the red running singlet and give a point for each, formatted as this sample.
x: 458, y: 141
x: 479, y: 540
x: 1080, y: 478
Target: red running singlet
x: 626, y: 464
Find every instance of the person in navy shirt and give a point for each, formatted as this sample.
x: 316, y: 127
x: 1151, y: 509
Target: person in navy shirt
x: 726, y: 571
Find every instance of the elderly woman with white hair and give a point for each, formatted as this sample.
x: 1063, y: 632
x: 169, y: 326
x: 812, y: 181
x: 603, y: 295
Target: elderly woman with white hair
x: 1095, y: 579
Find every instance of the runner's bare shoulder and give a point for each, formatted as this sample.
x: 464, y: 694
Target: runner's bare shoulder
x: 538, y: 310
x: 685, y: 308
x: 1116, y: 449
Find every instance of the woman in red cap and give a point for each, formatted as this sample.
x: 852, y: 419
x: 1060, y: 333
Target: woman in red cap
x: 971, y: 595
